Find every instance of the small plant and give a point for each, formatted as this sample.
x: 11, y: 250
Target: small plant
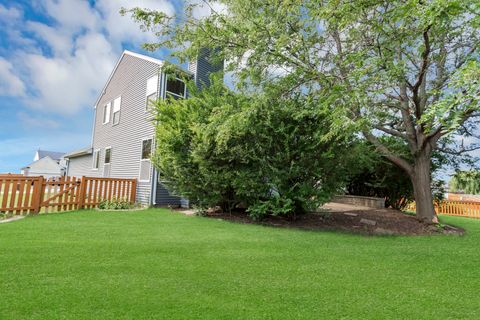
x: 115, y: 204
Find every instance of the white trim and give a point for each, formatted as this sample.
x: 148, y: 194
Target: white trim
x: 113, y: 110
x: 174, y: 94
x: 106, y: 116
x: 144, y: 57
x: 152, y: 85
x: 144, y: 160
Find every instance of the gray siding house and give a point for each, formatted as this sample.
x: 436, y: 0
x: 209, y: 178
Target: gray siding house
x: 123, y: 132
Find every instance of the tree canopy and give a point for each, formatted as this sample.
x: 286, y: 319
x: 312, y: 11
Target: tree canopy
x: 407, y: 69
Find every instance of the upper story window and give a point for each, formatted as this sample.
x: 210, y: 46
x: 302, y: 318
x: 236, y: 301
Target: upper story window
x: 152, y: 88
x: 106, y: 113
x: 116, y: 110
x: 175, y: 87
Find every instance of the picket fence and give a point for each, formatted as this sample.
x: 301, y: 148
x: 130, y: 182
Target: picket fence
x: 31, y: 195
x: 455, y: 208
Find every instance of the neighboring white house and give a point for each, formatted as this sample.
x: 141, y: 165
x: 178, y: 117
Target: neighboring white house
x: 49, y: 164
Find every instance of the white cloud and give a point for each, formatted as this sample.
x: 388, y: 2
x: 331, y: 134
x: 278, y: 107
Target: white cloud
x: 72, y: 15
x: 66, y: 84
x: 203, y: 9
x: 75, y: 53
x: 123, y: 28
x: 10, y: 84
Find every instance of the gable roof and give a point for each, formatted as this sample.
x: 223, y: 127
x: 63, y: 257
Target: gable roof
x: 46, y: 163
x: 129, y: 53
x: 78, y: 153
x: 54, y: 155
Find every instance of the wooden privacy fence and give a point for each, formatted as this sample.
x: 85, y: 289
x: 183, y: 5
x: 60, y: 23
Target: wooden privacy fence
x: 455, y: 208
x: 22, y: 195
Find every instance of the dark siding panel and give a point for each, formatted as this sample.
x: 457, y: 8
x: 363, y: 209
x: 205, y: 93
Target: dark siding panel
x: 202, y: 67
x: 165, y: 198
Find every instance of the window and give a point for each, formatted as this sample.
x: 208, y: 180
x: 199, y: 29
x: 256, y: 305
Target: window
x: 150, y: 99
x: 116, y: 110
x: 145, y: 164
x: 146, y: 149
x: 96, y: 158
x: 152, y: 88
x: 106, y: 113
x: 175, y: 87
x: 108, y: 155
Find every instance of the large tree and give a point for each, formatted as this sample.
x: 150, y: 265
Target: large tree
x: 408, y: 69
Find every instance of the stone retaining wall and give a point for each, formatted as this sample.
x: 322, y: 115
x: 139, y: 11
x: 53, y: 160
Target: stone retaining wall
x: 371, y: 202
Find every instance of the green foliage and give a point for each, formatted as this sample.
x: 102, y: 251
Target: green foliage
x: 466, y: 181
x: 378, y: 177
x: 406, y: 69
x: 115, y: 204
x: 227, y: 149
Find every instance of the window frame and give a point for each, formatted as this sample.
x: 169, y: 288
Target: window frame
x: 118, y: 111
x: 172, y: 93
x: 105, y: 156
x: 149, y: 92
x: 107, y: 114
x: 144, y: 160
x: 96, y: 159
x: 147, y: 102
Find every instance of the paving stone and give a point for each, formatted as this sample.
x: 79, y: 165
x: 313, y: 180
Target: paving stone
x: 351, y: 214
x: 382, y: 231
x: 368, y: 221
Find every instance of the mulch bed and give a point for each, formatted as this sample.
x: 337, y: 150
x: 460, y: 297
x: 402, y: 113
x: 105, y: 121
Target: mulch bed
x: 366, y: 222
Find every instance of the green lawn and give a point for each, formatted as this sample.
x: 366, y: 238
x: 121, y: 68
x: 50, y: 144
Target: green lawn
x: 154, y: 264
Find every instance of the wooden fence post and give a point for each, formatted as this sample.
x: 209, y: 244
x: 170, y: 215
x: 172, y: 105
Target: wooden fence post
x: 133, y: 192
x: 37, y: 197
x: 83, y: 189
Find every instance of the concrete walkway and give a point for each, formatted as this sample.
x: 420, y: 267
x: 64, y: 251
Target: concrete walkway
x: 14, y: 218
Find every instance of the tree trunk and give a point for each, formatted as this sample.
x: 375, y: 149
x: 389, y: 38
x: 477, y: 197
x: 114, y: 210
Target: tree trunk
x: 422, y: 181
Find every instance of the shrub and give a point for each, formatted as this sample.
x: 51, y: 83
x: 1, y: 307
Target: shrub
x: 227, y: 149
x: 378, y: 177
x: 115, y: 204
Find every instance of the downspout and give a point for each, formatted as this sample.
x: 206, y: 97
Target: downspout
x: 153, y: 196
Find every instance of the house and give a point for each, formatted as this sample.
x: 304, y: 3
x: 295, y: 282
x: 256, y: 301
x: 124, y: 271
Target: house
x: 123, y: 130
x: 49, y: 164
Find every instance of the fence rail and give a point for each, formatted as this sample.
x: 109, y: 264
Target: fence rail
x: 30, y: 195
x: 455, y: 208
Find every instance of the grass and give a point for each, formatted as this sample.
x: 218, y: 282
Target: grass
x: 154, y: 264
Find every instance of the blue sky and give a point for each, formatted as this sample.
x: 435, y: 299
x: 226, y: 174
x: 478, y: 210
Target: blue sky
x: 55, y: 57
